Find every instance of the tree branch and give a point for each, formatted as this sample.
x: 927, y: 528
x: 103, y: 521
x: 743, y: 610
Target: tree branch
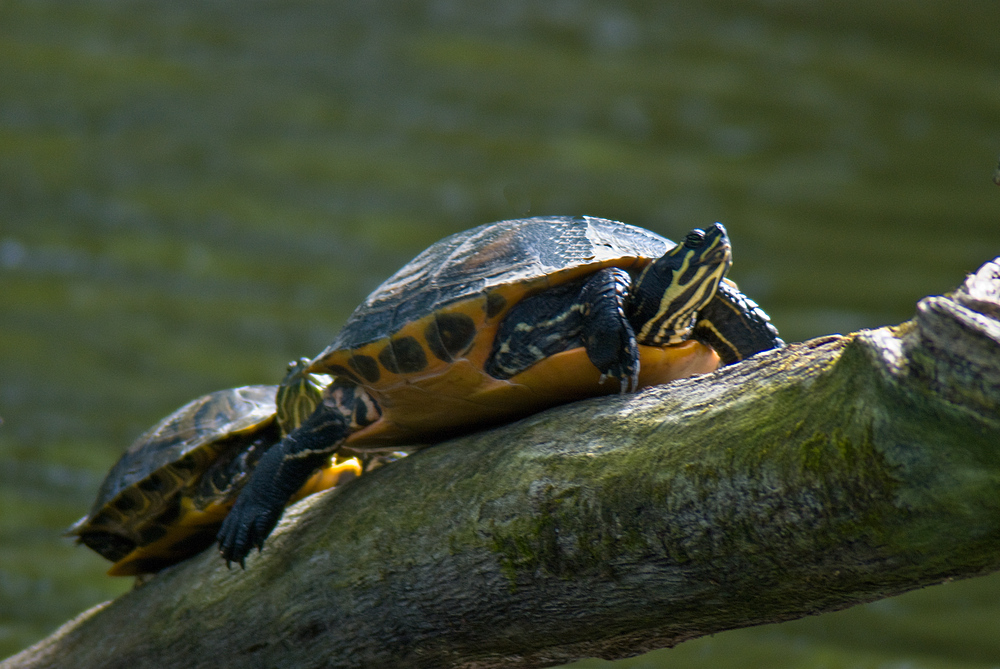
x: 833, y: 472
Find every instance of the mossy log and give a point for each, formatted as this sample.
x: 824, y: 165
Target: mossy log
x: 833, y: 472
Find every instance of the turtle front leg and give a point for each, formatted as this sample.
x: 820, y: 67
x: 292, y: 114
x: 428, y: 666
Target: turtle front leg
x: 588, y: 313
x: 285, y: 468
x: 607, y: 334
x: 281, y: 471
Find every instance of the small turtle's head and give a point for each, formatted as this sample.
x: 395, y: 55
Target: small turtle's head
x: 671, y: 290
x: 298, y: 395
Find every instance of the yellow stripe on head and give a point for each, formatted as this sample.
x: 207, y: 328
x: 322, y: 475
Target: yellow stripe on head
x: 670, y: 292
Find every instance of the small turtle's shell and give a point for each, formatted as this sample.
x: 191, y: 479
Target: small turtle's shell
x: 419, y: 343
x: 165, y: 498
x: 140, y: 497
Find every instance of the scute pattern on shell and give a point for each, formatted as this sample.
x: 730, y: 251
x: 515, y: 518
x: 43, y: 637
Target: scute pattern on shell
x: 206, y: 419
x: 490, y: 256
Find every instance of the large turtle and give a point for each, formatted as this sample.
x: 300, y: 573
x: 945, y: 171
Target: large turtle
x: 499, y: 322
x: 165, y: 498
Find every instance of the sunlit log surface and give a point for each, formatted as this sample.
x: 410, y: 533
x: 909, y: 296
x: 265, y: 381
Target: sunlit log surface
x: 834, y: 472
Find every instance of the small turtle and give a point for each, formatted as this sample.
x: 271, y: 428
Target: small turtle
x: 499, y: 322
x: 166, y: 497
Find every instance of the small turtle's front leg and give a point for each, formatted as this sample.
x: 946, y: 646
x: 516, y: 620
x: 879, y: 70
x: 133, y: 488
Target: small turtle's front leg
x: 279, y: 474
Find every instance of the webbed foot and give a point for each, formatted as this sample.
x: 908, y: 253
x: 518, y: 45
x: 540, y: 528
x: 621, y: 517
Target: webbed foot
x: 245, y: 528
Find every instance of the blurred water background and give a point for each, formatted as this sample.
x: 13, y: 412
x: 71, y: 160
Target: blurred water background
x: 194, y: 193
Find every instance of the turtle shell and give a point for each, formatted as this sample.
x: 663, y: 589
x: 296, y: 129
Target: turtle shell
x: 139, y: 499
x: 164, y: 499
x: 419, y: 343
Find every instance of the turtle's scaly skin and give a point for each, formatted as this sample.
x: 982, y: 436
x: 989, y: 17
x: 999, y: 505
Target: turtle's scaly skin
x: 499, y: 322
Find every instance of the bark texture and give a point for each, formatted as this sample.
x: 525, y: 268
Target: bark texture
x: 833, y: 472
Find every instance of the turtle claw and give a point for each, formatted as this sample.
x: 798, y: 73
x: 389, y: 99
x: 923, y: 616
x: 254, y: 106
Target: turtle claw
x: 627, y: 371
x: 241, y: 562
x: 629, y: 384
x: 245, y: 528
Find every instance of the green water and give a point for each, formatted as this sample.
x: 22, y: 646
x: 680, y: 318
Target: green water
x: 194, y: 193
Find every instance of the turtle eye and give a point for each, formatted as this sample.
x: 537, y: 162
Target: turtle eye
x: 694, y: 239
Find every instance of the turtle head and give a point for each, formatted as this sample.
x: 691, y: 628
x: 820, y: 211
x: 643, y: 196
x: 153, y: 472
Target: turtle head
x: 298, y: 395
x: 667, y: 296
